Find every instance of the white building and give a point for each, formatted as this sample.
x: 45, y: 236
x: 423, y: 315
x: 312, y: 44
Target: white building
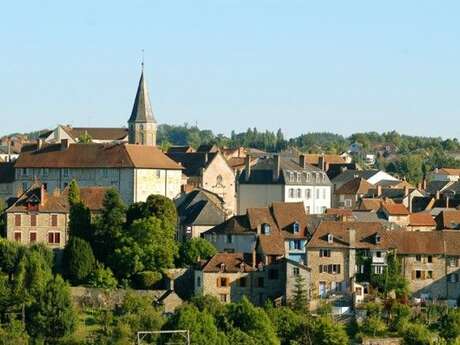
x: 283, y: 179
x: 137, y: 169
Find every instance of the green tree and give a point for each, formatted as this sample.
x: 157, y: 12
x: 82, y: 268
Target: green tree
x: 190, y: 251
x: 51, y: 316
x: 74, y: 193
x: 300, y: 295
x: 85, y: 138
x: 418, y: 334
x: 203, y: 330
x: 102, y: 278
x: 109, y: 229
x: 253, y: 321
x: 449, y: 325
x: 78, y: 260
x: 80, y: 221
x: 324, y: 331
x: 13, y: 333
x: 287, y: 323
x: 374, y: 326
x: 156, y: 205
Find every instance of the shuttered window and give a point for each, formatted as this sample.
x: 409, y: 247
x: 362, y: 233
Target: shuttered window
x: 17, y: 220
x: 33, y: 237
x: 54, y: 220
x: 17, y: 236
x: 33, y: 220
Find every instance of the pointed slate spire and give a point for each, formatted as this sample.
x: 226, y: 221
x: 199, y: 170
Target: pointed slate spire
x: 142, y: 109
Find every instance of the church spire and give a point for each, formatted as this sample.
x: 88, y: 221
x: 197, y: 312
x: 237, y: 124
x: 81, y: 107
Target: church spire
x: 142, y: 123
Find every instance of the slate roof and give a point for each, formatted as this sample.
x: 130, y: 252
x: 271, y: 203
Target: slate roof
x: 348, y: 175
x: 193, y: 162
x: 96, y: 156
x: 452, y: 189
x: 200, y: 207
x: 434, y: 186
x: 142, y: 108
x: 421, y: 203
x: 6, y: 172
x: 262, y: 173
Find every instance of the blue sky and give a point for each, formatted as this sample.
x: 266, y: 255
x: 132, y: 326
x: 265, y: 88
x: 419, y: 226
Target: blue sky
x: 339, y: 66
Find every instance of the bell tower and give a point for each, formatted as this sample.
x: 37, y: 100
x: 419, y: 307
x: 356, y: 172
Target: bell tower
x: 142, y: 126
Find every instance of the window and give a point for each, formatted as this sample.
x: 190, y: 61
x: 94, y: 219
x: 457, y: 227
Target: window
x: 331, y: 269
x: 198, y: 281
x: 299, y: 193
x: 24, y: 171
x: 307, y: 193
x: 17, y: 220
x: 65, y: 172
x: 223, y: 282
x: 297, y: 244
x: 105, y: 173
x: 429, y: 274
x: 223, y: 297
x: 33, y: 220
x: 298, y: 177
x: 307, y: 209
x: 348, y: 202
x: 291, y: 193
x: 325, y: 253
x: 243, y: 282
x: 295, y: 271
x: 291, y: 176
x: 266, y: 229
x: 54, y: 220
x: 377, y: 239
x: 317, y: 193
x: 308, y: 177
x: 418, y: 258
x: 324, y: 193
x: 418, y: 274
x: 296, y: 227
x: 272, y: 274
x: 378, y: 254
x: 330, y: 238
x: 430, y: 259
x: 158, y: 171
x: 33, y: 237
x: 378, y: 269
x: 54, y: 237
x: 260, y: 282
x: 17, y: 236
x: 229, y: 238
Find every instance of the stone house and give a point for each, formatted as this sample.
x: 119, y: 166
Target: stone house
x: 267, y: 233
x: 232, y: 276
x: 430, y: 262
x: 38, y: 216
x: 283, y: 179
x: 395, y: 213
x: 136, y: 171
x: 421, y: 221
x: 334, y: 252
x: 198, y: 211
x: 99, y: 135
x: 210, y: 171
x: 448, y: 219
x: 348, y: 194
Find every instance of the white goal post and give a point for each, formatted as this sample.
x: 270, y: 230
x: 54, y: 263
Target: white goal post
x: 184, y: 333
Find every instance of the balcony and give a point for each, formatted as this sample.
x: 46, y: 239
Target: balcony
x: 376, y: 260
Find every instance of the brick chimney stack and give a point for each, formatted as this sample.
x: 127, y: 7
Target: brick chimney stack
x: 276, y: 167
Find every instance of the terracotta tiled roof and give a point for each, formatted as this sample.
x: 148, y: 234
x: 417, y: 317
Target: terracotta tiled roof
x: 98, y: 133
x: 233, y: 225
x: 356, y: 186
x: 288, y: 213
x: 450, y: 171
x: 96, y: 156
x: 228, y: 262
x: 92, y: 197
x: 394, y: 209
x: 370, y: 204
x: 259, y: 216
x: 449, y: 219
x: 365, y: 235
x: 339, y: 212
x: 272, y: 244
x: 421, y: 219
x: 313, y: 158
x: 427, y: 242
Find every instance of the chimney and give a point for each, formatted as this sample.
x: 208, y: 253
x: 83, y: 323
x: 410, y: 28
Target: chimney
x: 276, y: 167
x: 424, y: 184
x: 379, y: 190
x: 406, y: 190
x: 42, y: 195
x: 352, y: 253
x: 9, y: 150
x: 206, y: 158
x: 302, y: 161
x: 247, y: 168
x: 352, y: 237
x: 447, y: 201
x: 40, y: 143
x: 322, y: 162
x: 438, y: 195
x: 64, y: 144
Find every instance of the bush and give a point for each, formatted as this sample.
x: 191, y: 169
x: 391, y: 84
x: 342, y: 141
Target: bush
x: 147, y: 279
x: 102, y: 278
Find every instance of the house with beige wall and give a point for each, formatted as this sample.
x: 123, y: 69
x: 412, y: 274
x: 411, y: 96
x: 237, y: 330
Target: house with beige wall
x: 232, y: 276
x: 210, y: 171
x: 39, y: 216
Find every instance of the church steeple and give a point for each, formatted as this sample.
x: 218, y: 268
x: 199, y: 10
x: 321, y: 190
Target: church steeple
x: 142, y: 123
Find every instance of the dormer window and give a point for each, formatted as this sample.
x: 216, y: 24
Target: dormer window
x: 299, y: 177
x: 242, y: 266
x: 266, y: 229
x: 377, y: 239
x: 222, y: 267
x: 296, y: 228
x: 330, y: 238
x: 291, y: 176
x: 324, y: 177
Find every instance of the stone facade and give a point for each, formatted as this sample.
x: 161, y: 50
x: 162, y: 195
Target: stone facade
x: 31, y: 228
